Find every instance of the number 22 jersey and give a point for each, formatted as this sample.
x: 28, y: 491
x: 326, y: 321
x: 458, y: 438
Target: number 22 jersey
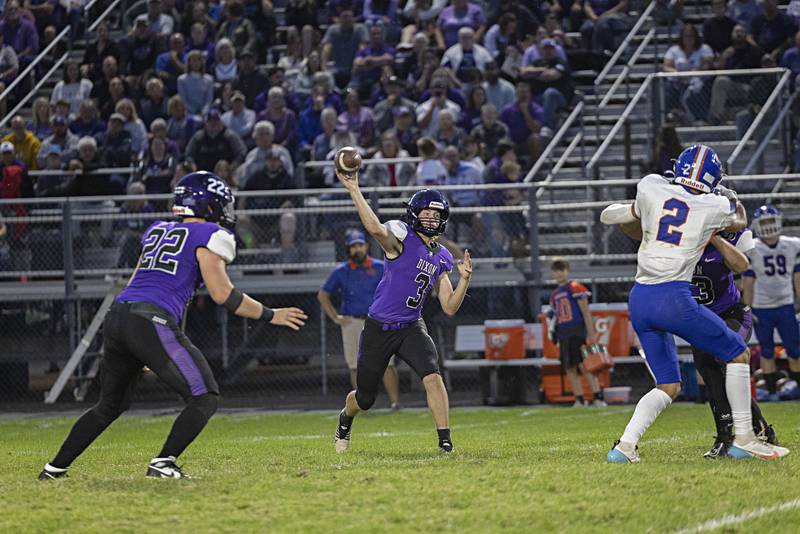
x: 408, y: 278
x: 168, y: 273
x: 773, y: 267
x: 676, y: 226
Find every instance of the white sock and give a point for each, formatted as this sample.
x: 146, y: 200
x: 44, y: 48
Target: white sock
x: 737, y: 386
x: 648, y: 408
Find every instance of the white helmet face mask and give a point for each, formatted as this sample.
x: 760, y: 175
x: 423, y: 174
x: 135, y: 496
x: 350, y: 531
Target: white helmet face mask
x: 767, y: 227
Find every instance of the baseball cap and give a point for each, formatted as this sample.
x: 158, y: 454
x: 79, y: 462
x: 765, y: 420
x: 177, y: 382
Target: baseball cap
x: 402, y: 110
x: 355, y: 236
x: 117, y: 116
x: 394, y: 80
x: 212, y: 113
x: 54, y: 149
x: 141, y: 19
x: 6, y: 146
x: 548, y: 42
x: 237, y: 95
x: 59, y: 119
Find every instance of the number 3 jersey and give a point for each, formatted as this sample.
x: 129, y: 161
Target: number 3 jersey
x: 168, y: 273
x: 676, y: 226
x: 773, y: 268
x: 712, y: 283
x: 408, y: 278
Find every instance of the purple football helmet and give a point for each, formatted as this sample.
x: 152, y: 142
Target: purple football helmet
x: 205, y: 195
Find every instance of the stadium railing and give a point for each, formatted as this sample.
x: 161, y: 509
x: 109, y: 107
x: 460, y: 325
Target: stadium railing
x: 48, y: 309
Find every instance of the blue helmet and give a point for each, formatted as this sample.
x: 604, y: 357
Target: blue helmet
x: 698, y: 167
x: 205, y: 195
x: 767, y: 221
x: 427, y: 199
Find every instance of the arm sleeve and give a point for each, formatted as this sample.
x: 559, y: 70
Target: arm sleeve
x: 333, y: 282
x: 223, y: 244
x: 579, y: 291
x: 397, y: 228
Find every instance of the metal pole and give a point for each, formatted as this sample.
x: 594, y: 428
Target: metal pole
x: 69, y: 274
x: 627, y: 137
x: 323, y: 350
x: 533, y: 237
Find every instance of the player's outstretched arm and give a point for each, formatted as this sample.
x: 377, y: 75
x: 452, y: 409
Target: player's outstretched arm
x: 212, y: 268
x: 735, y: 259
x: 387, y: 240
x: 748, y: 285
x: 450, y: 298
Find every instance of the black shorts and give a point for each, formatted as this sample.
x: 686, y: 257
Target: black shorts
x: 570, y: 341
x: 738, y: 318
x: 376, y: 346
x: 136, y: 334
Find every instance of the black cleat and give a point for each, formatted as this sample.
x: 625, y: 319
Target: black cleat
x: 341, y: 439
x: 719, y: 449
x: 51, y: 473
x: 165, y: 468
x: 767, y: 435
x: 445, y: 446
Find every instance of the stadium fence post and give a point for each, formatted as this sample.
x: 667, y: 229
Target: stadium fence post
x: 69, y: 273
x: 323, y: 350
x: 533, y: 237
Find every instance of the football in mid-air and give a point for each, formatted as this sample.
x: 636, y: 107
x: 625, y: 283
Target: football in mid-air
x: 347, y: 160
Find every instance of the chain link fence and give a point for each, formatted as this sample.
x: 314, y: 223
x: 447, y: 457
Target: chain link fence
x: 60, y: 258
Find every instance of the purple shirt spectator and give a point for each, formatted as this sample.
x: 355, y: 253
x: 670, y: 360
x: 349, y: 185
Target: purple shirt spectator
x: 285, y: 125
x: 20, y: 36
x: 533, y: 54
x: 360, y: 123
x: 374, y: 74
x: 512, y: 117
x: 451, y: 20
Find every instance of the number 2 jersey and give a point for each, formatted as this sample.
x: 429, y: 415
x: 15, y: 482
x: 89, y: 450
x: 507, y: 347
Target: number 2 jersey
x: 676, y: 227
x: 168, y: 273
x: 712, y: 283
x: 408, y: 278
x: 773, y: 267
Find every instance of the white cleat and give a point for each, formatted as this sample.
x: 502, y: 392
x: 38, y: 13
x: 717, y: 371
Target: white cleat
x: 757, y: 449
x: 578, y: 404
x: 341, y: 440
x: 599, y: 403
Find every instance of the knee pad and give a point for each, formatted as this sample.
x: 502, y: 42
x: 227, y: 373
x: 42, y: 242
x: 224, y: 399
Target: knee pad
x: 365, y: 400
x: 205, y: 404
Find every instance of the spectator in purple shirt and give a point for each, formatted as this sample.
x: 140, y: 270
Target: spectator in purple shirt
x: 458, y: 14
x: 358, y: 119
x: 88, y: 121
x: 603, y: 23
x: 383, y: 13
x: 370, y: 61
x: 791, y: 59
x: 282, y: 118
x: 772, y: 29
x: 170, y: 64
x: 19, y: 33
x: 199, y: 40
x: 524, y: 119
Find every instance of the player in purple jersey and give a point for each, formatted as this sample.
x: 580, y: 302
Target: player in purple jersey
x: 415, y: 263
x: 141, y: 329
x: 713, y: 286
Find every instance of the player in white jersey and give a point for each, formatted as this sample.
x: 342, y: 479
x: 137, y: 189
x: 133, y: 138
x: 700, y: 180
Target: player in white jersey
x: 678, y: 217
x: 770, y: 288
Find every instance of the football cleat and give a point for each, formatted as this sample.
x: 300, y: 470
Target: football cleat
x: 51, y: 473
x: 618, y: 456
x: 341, y: 440
x: 578, y: 404
x: 165, y: 468
x: 719, y: 449
x: 599, y: 403
x: 767, y: 434
x: 757, y: 449
x: 445, y: 446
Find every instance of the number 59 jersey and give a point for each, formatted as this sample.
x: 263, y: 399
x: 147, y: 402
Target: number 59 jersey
x: 168, y: 273
x: 676, y: 227
x: 773, y: 268
x: 408, y: 278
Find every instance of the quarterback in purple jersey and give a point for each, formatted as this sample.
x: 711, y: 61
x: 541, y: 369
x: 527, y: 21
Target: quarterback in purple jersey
x: 141, y: 329
x: 713, y: 286
x: 415, y: 263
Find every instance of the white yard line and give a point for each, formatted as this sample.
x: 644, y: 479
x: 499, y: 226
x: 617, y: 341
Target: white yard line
x: 729, y: 520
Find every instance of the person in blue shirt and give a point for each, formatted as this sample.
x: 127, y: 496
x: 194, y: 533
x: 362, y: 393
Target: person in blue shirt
x: 355, y: 282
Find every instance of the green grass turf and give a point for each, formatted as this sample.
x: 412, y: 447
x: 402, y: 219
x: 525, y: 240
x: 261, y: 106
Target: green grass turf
x: 514, y: 470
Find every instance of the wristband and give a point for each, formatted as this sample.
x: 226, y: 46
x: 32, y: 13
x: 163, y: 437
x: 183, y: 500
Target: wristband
x: 234, y: 300
x: 267, y: 313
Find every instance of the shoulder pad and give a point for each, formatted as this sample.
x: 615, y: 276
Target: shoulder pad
x: 223, y: 244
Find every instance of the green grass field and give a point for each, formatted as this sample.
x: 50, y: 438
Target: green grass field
x: 514, y: 470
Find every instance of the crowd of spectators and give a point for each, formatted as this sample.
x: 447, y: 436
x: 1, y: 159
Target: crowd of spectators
x: 473, y: 87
